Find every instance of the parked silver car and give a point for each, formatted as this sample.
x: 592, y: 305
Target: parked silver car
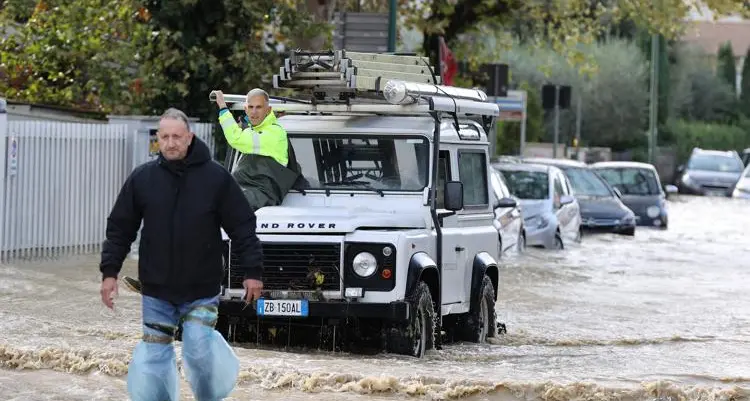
x: 508, y: 220
x: 551, y: 215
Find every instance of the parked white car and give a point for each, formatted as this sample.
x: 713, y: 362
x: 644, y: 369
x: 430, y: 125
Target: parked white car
x: 742, y: 188
x: 508, y: 220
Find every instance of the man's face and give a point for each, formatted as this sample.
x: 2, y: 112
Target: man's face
x: 174, y: 139
x: 257, y: 109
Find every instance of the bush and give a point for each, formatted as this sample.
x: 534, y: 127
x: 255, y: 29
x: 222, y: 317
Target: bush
x: 698, y: 93
x: 689, y: 134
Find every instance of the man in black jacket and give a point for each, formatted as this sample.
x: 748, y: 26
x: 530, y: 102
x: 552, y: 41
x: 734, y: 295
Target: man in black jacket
x: 183, y: 199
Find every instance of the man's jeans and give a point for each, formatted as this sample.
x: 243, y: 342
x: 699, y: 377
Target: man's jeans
x: 210, y: 365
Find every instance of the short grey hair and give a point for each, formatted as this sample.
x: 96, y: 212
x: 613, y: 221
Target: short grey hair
x: 176, y: 114
x: 258, y: 92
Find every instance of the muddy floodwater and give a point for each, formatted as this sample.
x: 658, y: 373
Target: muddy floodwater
x: 664, y: 315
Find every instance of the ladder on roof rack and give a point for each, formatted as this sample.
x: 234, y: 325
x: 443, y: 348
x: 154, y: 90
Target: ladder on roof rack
x: 371, y: 83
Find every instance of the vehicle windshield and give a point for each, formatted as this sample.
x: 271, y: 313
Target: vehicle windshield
x: 358, y: 162
x: 631, y: 180
x: 527, y: 184
x: 724, y: 164
x: 586, y: 182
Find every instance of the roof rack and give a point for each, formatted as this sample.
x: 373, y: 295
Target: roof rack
x: 369, y: 83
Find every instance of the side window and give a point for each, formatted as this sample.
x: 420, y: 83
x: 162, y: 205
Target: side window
x: 504, y: 186
x: 444, y: 174
x: 472, y: 170
x: 497, y: 186
x: 558, y: 187
x: 566, y: 184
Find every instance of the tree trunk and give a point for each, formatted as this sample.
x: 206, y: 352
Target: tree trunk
x: 321, y: 11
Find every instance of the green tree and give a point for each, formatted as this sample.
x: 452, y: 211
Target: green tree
x: 614, y: 100
x: 563, y: 25
x: 81, y: 53
x: 698, y: 93
x: 18, y: 11
x: 726, y: 65
x: 745, y: 85
x: 202, y: 45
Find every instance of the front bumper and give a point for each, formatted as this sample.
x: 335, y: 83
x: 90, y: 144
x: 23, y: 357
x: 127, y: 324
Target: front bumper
x: 397, y: 311
x: 541, y: 237
x: 658, y: 221
x: 617, y: 226
x: 705, y: 190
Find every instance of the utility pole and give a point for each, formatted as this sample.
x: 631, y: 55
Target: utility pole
x: 653, y: 114
x: 556, y: 97
x: 557, y: 121
x: 578, y: 127
x: 392, y: 26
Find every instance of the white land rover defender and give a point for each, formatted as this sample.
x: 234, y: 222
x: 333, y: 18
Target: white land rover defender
x: 392, y: 232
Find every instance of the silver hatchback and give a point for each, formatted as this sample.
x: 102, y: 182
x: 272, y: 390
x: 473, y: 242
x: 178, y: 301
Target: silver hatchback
x: 551, y: 215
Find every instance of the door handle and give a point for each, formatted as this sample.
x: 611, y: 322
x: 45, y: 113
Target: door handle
x: 459, y: 248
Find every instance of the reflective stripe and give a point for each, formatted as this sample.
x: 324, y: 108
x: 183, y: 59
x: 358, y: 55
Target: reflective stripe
x: 237, y: 158
x: 256, y: 142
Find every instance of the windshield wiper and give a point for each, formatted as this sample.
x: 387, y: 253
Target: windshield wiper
x: 364, y: 183
x: 343, y: 183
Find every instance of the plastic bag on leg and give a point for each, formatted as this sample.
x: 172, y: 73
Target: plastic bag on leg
x: 211, y: 366
x: 152, y: 373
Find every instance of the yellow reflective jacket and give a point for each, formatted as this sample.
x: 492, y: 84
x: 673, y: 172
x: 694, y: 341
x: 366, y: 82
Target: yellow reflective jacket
x: 267, y: 139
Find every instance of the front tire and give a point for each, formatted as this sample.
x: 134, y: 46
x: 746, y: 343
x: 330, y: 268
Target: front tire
x: 416, y: 336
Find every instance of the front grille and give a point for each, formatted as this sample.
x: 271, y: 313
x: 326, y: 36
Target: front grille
x: 304, y: 267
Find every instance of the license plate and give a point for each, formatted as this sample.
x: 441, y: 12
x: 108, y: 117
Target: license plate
x: 716, y: 193
x: 282, y: 307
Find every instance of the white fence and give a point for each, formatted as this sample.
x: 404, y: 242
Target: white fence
x: 59, y: 182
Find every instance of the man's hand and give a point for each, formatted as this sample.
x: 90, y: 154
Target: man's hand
x: 220, y: 99
x: 252, y: 289
x: 109, y: 291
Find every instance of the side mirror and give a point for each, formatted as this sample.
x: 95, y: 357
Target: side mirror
x: 670, y: 189
x: 454, y: 195
x: 506, y: 203
x: 617, y: 192
x: 566, y: 200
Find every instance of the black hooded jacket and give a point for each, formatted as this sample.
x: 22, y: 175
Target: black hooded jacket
x: 182, y: 204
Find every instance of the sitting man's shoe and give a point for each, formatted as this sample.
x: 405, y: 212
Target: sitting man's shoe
x: 132, y: 284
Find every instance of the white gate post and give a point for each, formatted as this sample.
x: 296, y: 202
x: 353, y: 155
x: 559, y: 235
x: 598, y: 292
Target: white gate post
x: 3, y: 152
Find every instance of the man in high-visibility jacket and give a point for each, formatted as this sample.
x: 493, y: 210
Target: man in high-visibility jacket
x: 264, y: 168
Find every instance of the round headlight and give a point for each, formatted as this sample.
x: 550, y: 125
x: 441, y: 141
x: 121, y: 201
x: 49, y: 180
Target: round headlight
x: 365, y: 264
x: 653, y: 211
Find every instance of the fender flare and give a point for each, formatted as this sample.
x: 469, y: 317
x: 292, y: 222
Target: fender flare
x: 484, y: 264
x: 419, y: 264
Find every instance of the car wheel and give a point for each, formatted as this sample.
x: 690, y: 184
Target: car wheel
x: 480, y: 322
x: 417, y: 335
x: 521, y: 242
